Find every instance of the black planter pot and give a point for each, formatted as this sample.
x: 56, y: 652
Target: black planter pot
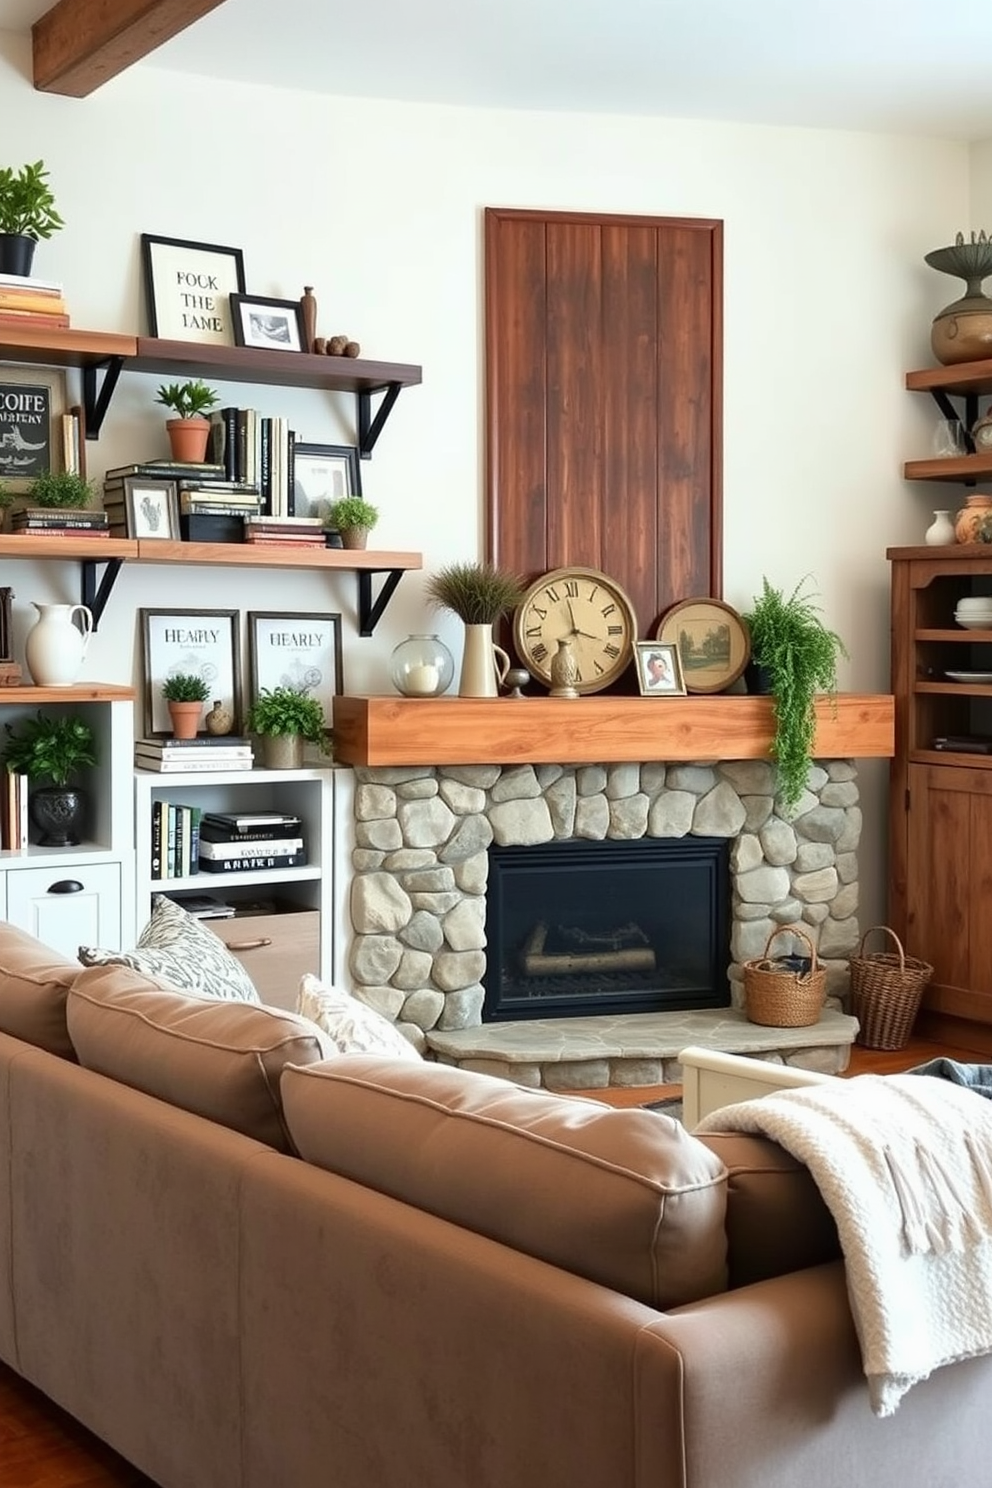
x: 56, y: 811
x: 758, y: 679
x: 16, y: 253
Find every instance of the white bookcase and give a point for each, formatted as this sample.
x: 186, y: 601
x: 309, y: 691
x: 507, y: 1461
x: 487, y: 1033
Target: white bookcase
x: 84, y: 895
x: 288, y: 920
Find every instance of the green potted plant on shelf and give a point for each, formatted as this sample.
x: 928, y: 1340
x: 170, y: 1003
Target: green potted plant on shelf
x: 60, y: 490
x: 354, y: 518
x: 797, y: 655
x: 27, y: 214
x: 284, y: 718
x: 189, y: 431
x: 185, y: 694
x: 479, y: 594
x: 52, y: 747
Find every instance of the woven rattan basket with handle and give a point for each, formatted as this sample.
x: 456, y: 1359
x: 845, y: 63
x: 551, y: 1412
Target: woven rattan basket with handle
x: 887, y: 988
x: 780, y: 996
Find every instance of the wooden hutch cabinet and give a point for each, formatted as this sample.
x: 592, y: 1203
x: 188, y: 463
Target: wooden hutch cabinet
x: 941, y: 780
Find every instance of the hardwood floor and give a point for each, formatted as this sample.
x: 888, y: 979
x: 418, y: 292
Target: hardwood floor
x: 42, y: 1447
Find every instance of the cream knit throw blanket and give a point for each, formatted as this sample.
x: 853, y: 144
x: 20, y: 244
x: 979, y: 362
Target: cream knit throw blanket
x: 904, y: 1163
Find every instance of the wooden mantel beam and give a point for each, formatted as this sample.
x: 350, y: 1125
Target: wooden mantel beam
x: 80, y: 44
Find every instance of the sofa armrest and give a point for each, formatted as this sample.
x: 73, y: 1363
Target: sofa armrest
x: 711, y: 1079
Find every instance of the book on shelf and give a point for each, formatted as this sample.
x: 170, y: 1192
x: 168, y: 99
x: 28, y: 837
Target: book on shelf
x: 168, y: 744
x: 282, y: 540
x: 28, y: 281
x: 284, y: 524
x: 44, y: 302
x: 210, y: 833
x: 35, y: 320
x: 237, y: 865
x: 200, y: 765
x: 281, y: 824
x: 167, y: 469
x: 274, y: 847
x: 221, y: 758
x: 34, y: 529
x: 204, y: 906
x: 79, y: 517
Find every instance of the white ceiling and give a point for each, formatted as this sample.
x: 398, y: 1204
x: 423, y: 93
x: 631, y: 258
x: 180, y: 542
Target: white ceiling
x: 909, y: 67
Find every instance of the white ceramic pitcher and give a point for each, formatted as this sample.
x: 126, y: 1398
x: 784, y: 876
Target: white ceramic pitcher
x: 55, y: 648
x: 484, y: 664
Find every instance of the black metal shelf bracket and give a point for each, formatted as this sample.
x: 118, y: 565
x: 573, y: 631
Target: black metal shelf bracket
x: 369, y: 612
x: 96, y: 400
x: 95, y: 595
x: 369, y: 427
x: 949, y: 411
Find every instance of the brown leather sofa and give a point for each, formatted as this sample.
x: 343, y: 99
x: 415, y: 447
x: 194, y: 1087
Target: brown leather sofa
x: 247, y: 1265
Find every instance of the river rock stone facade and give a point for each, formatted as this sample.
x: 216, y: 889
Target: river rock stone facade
x: 422, y: 834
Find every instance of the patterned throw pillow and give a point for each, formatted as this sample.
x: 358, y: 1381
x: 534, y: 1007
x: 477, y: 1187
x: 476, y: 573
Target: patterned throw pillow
x: 354, y: 1027
x: 177, y: 951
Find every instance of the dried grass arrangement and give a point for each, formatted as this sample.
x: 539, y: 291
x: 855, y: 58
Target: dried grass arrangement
x: 478, y: 593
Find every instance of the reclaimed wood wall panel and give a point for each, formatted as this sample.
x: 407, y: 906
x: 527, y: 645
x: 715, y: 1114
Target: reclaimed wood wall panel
x: 603, y: 406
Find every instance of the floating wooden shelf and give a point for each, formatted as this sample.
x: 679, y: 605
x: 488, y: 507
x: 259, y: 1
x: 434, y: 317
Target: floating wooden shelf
x: 595, y: 730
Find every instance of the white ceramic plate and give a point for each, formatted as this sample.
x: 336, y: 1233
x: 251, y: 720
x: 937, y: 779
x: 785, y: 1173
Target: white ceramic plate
x: 969, y: 676
x: 969, y: 622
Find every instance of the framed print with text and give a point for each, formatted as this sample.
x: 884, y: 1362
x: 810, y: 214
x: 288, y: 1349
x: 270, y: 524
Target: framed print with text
x: 188, y: 288
x: 32, y: 404
x: 205, y: 643
x: 302, y: 651
x: 322, y: 474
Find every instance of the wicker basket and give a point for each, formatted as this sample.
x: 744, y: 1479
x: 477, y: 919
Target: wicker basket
x: 886, y: 990
x: 780, y: 996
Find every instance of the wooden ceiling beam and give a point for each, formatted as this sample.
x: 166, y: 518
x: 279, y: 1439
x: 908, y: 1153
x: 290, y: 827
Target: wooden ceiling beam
x: 80, y: 44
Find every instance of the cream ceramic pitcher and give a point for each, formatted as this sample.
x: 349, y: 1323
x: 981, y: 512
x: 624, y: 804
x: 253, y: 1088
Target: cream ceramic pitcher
x: 484, y: 664
x: 55, y: 648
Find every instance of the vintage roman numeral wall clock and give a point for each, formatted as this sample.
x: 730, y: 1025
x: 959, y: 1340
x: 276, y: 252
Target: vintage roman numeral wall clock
x: 588, y: 607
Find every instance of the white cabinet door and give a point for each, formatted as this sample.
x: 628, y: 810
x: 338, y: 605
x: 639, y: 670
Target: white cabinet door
x: 47, y: 903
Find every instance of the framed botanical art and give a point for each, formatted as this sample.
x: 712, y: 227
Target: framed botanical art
x: 269, y: 325
x: 205, y: 643
x: 291, y: 649
x: 32, y: 404
x: 188, y: 288
x: 322, y: 474
x: 151, y: 508
x: 659, y: 670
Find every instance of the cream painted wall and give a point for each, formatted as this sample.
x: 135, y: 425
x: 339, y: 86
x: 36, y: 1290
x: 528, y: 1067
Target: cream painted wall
x: 379, y: 206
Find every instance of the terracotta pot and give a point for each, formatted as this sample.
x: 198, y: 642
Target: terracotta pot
x: 188, y: 438
x: 185, y: 719
x: 969, y: 519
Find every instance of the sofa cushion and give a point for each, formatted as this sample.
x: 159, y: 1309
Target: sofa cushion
x: 355, y: 1027
x: 34, y: 983
x: 218, y: 1059
x: 625, y: 1198
x: 177, y: 951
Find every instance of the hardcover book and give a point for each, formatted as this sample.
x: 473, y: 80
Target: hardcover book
x: 236, y: 865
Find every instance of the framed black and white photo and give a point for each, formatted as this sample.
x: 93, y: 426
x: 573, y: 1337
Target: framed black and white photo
x: 32, y: 403
x: 268, y: 325
x: 659, y: 669
x: 204, y: 643
x: 290, y: 649
x: 322, y: 474
x: 188, y: 288
x: 151, y: 508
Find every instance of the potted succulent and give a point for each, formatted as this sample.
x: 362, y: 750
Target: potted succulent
x: 479, y: 594
x: 52, y: 747
x: 185, y: 694
x: 189, y: 431
x: 796, y: 657
x: 27, y: 213
x: 284, y: 717
x: 354, y: 518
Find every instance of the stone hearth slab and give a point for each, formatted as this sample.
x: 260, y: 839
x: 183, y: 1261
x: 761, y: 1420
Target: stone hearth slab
x: 633, y: 1049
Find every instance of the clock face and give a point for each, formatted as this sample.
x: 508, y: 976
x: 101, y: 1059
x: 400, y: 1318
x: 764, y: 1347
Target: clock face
x: 590, y: 609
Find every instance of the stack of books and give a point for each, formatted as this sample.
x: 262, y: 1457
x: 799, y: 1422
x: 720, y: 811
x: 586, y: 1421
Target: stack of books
x: 205, y: 752
x: 288, y: 532
x: 257, y: 450
x: 175, y: 830
x: 231, y: 842
x: 14, y: 813
x: 32, y: 302
x: 60, y: 521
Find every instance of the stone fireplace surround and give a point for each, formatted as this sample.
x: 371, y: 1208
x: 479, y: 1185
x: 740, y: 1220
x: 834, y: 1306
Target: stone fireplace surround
x: 420, y: 862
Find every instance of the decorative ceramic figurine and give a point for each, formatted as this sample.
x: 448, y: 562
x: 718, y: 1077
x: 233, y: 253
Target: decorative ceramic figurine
x: 219, y: 720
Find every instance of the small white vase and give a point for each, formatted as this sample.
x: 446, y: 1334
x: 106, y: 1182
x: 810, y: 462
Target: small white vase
x: 484, y: 664
x: 55, y: 648
x: 941, y: 530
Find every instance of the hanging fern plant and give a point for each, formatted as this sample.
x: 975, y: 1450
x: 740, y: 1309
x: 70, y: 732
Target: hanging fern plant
x: 799, y: 653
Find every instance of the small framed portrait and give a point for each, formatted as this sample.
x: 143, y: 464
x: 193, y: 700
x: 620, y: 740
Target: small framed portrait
x: 188, y: 288
x: 659, y: 670
x: 151, y: 508
x: 32, y: 405
x: 205, y: 643
x: 292, y: 649
x: 322, y: 474
x: 268, y: 325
